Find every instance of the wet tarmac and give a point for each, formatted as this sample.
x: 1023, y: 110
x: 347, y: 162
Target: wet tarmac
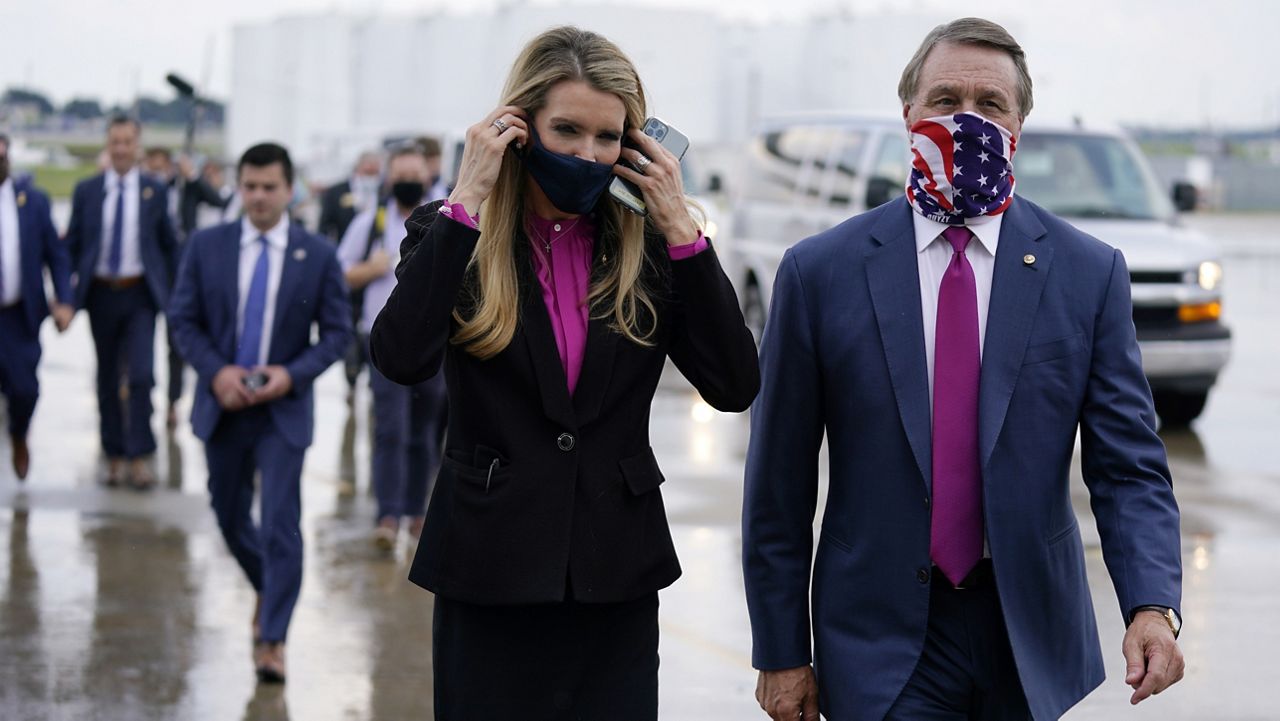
x: 120, y: 605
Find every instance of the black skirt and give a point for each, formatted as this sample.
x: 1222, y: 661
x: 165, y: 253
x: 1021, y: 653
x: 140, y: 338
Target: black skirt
x: 565, y: 661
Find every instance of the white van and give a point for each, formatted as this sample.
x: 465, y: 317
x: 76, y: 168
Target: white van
x: 806, y: 174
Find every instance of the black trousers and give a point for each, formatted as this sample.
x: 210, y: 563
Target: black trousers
x: 966, y: 671
x: 547, y: 662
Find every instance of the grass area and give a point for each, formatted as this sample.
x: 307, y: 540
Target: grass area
x: 59, y: 182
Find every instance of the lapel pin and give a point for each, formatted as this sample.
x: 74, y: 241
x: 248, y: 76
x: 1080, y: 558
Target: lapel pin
x: 1028, y: 259
x: 147, y: 193
x: 21, y: 199
x: 300, y: 254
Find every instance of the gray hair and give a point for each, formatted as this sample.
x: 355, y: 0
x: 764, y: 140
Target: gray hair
x: 969, y: 31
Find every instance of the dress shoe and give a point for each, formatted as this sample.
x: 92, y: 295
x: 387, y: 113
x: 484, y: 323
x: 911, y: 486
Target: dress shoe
x: 115, y: 472
x: 384, y: 536
x: 141, y: 477
x: 21, y: 457
x: 268, y: 660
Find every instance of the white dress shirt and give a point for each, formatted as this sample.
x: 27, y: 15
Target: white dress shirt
x: 130, y: 248
x: 933, y: 255
x: 10, y: 245
x: 277, y: 242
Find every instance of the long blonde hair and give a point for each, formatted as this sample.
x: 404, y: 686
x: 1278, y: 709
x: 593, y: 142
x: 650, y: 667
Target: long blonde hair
x: 619, y: 292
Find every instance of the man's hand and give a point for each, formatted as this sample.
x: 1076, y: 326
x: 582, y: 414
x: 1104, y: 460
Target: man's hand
x: 1152, y: 655
x: 229, y: 388
x: 279, y: 383
x: 62, y: 316
x: 789, y: 694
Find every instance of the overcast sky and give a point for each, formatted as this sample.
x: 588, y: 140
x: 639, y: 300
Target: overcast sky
x: 1162, y: 62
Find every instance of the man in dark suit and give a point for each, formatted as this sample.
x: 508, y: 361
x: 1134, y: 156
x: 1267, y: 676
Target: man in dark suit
x: 122, y: 246
x: 950, y: 344
x: 247, y: 296
x: 341, y: 203
x: 28, y: 244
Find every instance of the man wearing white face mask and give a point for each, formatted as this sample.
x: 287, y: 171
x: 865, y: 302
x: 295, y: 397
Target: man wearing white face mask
x: 951, y: 344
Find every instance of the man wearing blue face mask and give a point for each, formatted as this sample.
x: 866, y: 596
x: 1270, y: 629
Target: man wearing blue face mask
x: 951, y: 345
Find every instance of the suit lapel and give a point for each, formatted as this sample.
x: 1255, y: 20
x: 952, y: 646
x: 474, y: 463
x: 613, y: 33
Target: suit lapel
x: 597, y: 362
x: 93, y: 220
x: 227, y: 274
x: 1016, y: 287
x: 893, y: 278
x: 292, y: 267
x: 553, y: 387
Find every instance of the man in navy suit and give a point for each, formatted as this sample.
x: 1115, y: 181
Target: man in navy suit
x: 122, y: 252
x: 28, y: 244
x: 951, y: 344
x: 247, y: 296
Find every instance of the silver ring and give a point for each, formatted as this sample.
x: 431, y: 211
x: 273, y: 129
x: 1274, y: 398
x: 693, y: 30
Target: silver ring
x: 501, y: 126
x: 642, y: 162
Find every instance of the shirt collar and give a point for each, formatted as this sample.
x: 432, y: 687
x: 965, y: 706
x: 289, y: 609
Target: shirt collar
x: 130, y: 177
x: 277, y: 237
x: 987, y: 232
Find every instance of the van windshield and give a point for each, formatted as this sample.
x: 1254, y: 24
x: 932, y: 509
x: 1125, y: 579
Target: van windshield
x: 1088, y: 176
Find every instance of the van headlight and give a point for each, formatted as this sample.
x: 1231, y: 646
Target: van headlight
x: 1210, y: 275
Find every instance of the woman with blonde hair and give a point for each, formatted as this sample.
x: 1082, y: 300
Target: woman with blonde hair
x: 552, y: 312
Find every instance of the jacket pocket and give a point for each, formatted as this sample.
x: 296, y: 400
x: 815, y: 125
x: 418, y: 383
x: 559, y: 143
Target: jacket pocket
x: 1054, y: 349
x: 488, y: 477
x: 641, y: 472
x: 1064, y: 533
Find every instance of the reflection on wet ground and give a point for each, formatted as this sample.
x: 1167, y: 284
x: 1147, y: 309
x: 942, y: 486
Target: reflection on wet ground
x: 120, y: 605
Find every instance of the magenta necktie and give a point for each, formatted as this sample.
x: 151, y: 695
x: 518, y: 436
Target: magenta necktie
x: 956, y: 525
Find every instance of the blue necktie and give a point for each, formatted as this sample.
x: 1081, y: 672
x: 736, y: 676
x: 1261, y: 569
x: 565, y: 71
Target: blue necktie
x: 115, y: 253
x: 255, y: 308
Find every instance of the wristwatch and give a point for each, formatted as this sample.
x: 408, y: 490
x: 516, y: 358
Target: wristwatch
x: 1170, y: 616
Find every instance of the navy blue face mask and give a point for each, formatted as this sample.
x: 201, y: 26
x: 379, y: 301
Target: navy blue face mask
x: 572, y: 184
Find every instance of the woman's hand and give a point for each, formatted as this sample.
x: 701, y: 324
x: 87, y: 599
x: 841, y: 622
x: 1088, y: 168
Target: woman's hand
x: 662, y: 186
x: 486, y: 143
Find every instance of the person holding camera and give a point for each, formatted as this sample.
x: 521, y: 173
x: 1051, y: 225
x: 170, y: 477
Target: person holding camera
x: 553, y: 311
x: 247, y: 296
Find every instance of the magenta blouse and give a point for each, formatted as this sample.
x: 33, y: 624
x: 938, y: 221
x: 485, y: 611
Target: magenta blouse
x: 564, y: 272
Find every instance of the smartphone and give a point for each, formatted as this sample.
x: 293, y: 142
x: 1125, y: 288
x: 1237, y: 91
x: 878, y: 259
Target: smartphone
x: 255, y: 381
x: 626, y: 192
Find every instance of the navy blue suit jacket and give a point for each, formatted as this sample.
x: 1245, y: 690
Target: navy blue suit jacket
x: 158, y: 244
x: 844, y: 354
x: 203, y: 315
x: 40, y: 247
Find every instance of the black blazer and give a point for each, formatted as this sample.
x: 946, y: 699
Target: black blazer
x: 541, y: 491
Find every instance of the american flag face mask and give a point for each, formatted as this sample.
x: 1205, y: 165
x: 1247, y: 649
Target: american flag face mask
x: 961, y: 168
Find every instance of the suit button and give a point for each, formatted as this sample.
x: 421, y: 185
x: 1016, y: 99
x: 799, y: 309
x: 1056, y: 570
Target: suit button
x: 565, y: 442
x: 922, y: 575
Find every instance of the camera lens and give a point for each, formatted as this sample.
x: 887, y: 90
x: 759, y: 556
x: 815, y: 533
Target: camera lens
x: 660, y: 133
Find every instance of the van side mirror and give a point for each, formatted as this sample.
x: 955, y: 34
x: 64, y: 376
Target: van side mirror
x: 1185, y: 196
x: 714, y: 183
x: 881, y: 190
